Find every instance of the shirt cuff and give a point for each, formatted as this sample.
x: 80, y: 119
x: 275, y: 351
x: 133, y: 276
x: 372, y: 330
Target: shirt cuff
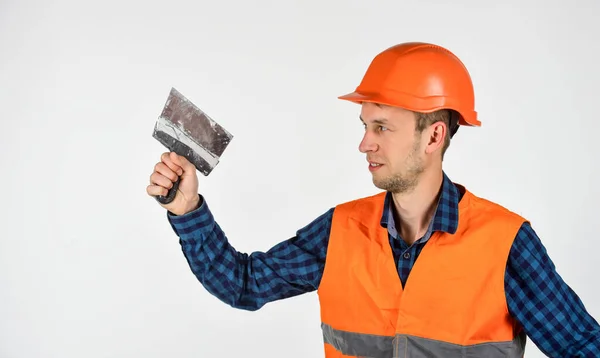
x: 197, y: 222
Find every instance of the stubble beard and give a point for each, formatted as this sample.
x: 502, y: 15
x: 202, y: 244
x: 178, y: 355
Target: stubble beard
x: 403, y: 182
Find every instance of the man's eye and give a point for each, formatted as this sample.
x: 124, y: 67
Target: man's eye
x: 379, y: 128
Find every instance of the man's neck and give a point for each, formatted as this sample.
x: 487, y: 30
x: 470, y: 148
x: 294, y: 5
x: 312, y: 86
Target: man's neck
x: 416, y: 208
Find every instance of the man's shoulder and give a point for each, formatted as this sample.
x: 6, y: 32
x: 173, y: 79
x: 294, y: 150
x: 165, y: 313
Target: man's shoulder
x: 366, y: 204
x: 483, y: 205
x: 370, y: 199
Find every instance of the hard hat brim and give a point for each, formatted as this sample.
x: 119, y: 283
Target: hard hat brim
x: 468, y: 119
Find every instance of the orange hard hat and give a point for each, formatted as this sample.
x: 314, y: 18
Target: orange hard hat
x: 420, y: 77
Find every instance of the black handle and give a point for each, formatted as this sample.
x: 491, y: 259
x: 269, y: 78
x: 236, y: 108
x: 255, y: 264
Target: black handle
x: 170, y: 195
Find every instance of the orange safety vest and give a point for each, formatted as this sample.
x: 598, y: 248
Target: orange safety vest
x: 453, y: 304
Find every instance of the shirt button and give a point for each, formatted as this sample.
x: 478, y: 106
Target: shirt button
x: 407, y: 255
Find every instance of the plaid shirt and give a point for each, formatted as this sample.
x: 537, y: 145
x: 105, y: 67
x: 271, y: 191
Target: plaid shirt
x: 552, y: 314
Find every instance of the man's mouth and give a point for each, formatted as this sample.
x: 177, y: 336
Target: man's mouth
x: 374, y: 166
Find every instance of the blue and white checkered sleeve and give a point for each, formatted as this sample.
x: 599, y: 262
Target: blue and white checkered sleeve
x: 551, y: 313
x: 249, y: 281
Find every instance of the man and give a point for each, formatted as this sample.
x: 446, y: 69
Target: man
x: 425, y: 268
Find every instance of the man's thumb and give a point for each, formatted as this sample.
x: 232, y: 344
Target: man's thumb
x: 182, y: 161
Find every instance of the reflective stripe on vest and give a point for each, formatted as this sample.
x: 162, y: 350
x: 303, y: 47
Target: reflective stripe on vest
x: 405, y: 346
x: 357, y: 344
x: 453, y: 304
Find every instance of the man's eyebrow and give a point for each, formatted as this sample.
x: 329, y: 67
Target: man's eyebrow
x: 376, y: 121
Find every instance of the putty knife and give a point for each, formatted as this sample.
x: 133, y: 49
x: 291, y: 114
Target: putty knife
x: 186, y: 130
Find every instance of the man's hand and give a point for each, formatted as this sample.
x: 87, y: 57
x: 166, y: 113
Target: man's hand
x: 165, y: 174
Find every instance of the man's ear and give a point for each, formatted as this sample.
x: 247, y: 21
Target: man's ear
x: 436, y: 134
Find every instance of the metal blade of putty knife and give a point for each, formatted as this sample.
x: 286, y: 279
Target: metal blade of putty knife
x: 186, y: 130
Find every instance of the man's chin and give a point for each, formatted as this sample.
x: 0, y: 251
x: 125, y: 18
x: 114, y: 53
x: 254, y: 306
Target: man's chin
x: 379, y: 183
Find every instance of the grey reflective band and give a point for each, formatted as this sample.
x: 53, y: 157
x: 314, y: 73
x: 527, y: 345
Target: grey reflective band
x: 358, y: 344
x: 405, y: 346
x: 417, y: 347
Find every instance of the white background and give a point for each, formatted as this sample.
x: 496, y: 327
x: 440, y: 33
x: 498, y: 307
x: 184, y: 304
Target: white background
x: 89, y: 266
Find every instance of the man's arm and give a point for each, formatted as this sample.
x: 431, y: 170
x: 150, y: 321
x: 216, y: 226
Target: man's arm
x: 551, y: 313
x: 249, y: 281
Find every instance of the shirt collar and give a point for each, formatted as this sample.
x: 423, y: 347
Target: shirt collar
x: 446, y: 214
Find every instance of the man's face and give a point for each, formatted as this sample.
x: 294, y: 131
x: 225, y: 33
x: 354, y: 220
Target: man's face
x: 393, y: 147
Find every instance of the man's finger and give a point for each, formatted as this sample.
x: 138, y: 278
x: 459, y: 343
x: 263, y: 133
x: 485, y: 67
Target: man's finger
x: 169, y: 162
x: 155, y: 190
x: 161, y: 180
x: 182, y: 162
x: 163, y: 169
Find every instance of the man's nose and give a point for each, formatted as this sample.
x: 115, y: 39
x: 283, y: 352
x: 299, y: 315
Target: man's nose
x: 367, y: 144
